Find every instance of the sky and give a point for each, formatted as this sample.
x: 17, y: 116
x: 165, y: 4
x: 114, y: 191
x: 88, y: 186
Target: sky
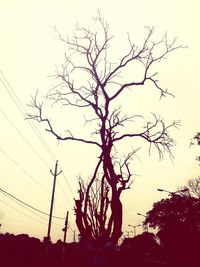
x: 30, y: 52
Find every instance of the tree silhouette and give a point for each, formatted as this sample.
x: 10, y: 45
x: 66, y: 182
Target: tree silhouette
x: 193, y: 184
x: 192, y: 188
x: 95, y: 199
x: 175, y: 212
x: 196, y: 141
x: 178, y: 221
x: 90, y: 81
x: 197, y: 138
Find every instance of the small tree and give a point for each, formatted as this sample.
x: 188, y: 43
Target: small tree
x: 91, y: 208
x: 192, y: 188
x: 196, y: 141
x: 197, y: 138
x: 99, y: 92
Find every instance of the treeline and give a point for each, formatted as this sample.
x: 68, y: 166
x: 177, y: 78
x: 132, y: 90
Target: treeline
x: 22, y: 250
x: 144, y: 250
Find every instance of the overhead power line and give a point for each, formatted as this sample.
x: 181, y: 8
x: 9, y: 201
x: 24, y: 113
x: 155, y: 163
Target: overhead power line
x: 20, y: 106
x: 25, y: 139
x: 28, y: 216
x: 21, y: 212
x: 28, y: 174
x: 22, y: 169
x: 66, y: 180
x: 26, y: 204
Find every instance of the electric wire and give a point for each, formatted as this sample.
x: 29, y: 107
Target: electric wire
x: 30, y: 217
x: 24, y: 203
x: 25, y: 139
x: 24, y: 207
x: 27, y: 173
x: 53, y: 223
x: 21, y: 212
x: 23, y: 111
x: 66, y: 180
x: 21, y: 108
x: 22, y: 169
x: 32, y: 149
x: 32, y: 125
x: 45, y: 144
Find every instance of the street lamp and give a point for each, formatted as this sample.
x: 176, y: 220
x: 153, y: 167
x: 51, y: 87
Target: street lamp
x: 173, y: 193
x: 140, y: 214
x: 128, y: 233
x: 134, y: 226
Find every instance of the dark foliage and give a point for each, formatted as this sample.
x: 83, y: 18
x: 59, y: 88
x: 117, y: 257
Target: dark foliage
x: 23, y: 251
x: 178, y: 221
x: 174, y: 212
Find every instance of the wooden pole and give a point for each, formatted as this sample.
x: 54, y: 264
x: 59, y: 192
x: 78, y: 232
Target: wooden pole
x: 65, y: 228
x: 55, y: 174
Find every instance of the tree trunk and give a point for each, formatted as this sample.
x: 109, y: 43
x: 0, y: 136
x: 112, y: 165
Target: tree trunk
x: 116, y: 207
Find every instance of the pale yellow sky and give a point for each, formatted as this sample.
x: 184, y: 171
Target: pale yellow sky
x: 29, y: 52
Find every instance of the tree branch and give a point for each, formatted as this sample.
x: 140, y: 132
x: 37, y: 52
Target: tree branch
x: 39, y: 117
x: 160, y: 139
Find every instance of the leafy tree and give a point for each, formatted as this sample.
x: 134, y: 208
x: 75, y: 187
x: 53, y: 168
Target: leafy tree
x: 175, y: 212
x: 143, y: 244
x: 91, y: 82
x: 178, y: 221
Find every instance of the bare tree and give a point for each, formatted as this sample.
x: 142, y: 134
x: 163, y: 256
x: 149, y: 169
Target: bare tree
x: 197, y: 138
x: 90, y: 81
x: 91, y: 219
x: 196, y: 141
x: 192, y: 188
x: 93, y: 209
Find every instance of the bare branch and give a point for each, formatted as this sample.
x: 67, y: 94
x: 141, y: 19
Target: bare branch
x: 146, y: 54
x: 91, y: 182
x: 39, y: 117
x: 159, y: 138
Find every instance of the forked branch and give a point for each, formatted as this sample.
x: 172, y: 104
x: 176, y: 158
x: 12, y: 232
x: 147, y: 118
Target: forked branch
x: 39, y: 117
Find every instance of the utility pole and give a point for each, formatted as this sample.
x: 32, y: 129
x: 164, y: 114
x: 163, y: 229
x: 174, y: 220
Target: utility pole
x: 65, y: 228
x: 134, y: 226
x: 55, y: 174
x: 128, y: 233
x: 145, y: 216
x: 74, y: 238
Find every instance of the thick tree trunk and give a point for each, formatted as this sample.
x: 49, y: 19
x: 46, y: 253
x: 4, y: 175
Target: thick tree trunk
x: 116, y: 208
x: 115, y: 223
x: 79, y: 218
